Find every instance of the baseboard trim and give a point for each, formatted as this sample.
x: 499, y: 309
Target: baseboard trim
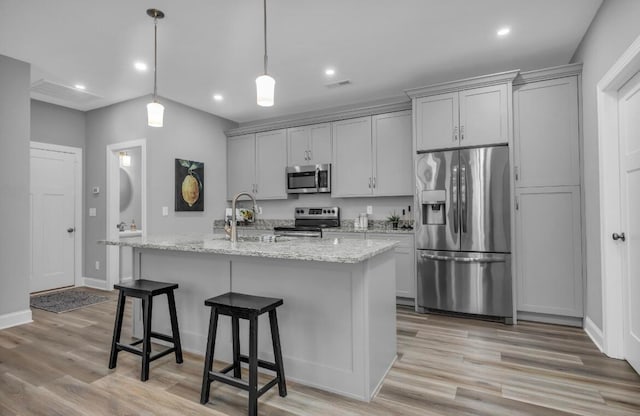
x: 95, y: 283
x: 594, y: 333
x: 15, y: 318
x: 126, y: 279
x: 551, y: 319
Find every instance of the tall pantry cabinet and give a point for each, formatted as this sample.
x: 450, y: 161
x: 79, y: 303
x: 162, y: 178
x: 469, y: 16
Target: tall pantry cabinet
x: 549, y: 269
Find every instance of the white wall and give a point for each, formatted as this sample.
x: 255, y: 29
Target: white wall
x: 614, y: 28
x: 187, y: 134
x: 15, y: 243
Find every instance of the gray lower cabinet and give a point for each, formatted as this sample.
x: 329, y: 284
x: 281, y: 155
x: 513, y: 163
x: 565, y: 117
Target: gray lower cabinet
x: 405, y: 260
x: 548, y: 243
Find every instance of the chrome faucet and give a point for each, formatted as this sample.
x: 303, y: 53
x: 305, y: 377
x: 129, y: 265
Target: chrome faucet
x: 234, y: 225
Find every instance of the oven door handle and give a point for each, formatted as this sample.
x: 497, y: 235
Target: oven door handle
x: 461, y: 259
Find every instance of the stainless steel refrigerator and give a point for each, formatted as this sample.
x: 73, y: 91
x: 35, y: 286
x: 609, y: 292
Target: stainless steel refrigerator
x: 463, y: 232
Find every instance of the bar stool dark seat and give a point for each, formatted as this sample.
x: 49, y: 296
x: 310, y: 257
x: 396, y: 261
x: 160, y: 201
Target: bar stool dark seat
x: 145, y: 290
x: 238, y: 305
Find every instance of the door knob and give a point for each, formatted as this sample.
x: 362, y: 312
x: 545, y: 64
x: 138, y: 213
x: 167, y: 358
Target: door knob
x: 70, y: 230
x: 617, y: 236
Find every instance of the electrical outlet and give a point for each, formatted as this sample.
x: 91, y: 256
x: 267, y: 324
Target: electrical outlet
x: 97, y: 265
x: 165, y: 211
x: 369, y: 209
x: 92, y: 212
x: 259, y: 210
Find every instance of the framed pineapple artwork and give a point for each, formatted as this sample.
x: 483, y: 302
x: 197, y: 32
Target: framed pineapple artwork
x: 189, y: 185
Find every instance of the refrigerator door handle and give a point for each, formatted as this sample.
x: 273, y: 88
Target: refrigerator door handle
x: 461, y: 259
x: 454, y: 197
x: 463, y: 197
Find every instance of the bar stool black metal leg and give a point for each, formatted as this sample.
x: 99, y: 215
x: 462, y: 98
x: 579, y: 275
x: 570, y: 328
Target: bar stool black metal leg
x: 147, y: 305
x: 277, y: 353
x: 117, y: 330
x: 235, y: 326
x: 208, y: 356
x: 253, y: 366
x: 174, y: 326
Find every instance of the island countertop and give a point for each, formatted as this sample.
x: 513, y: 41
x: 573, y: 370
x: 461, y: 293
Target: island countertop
x: 332, y: 250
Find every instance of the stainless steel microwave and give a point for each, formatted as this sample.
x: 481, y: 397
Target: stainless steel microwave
x: 308, y: 179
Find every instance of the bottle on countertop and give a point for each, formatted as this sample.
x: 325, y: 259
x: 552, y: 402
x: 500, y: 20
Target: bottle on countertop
x: 410, y: 226
x: 404, y: 219
x: 364, y: 221
x: 133, y: 225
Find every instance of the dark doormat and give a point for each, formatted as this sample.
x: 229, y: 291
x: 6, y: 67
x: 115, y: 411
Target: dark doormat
x: 66, y: 300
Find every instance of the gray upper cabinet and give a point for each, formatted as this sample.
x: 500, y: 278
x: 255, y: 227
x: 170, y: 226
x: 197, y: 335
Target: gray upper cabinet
x: 465, y: 113
x: 309, y: 145
x: 271, y: 162
x: 352, y: 158
x: 372, y: 156
x: 393, y: 167
x: 546, y: 133
x: 240, y: 164
x: 256, y: 163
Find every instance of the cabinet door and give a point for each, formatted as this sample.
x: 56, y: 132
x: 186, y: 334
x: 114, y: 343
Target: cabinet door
x: 484, y: 116
x: 320, y: 143
x: 271, y: 162
x: 549, y: 253
x: 392, y: 153
x: 405, y: 263
x: 352, y: 171
x: 437, y: 121
x: 546, y: 138
x: 298, y: 146
x: 240, y: 164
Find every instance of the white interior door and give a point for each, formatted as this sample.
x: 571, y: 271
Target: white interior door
x: 629, y: 108
x: 52, y: 219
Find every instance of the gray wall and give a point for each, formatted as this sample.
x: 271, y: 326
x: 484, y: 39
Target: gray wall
x: 187, y: 134
x: 54, y: 124
x: 612, y: 31
x: 15, y: 243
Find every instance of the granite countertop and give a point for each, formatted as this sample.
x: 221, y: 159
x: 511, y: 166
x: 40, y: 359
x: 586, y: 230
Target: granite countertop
x: 331, y: 250
x: 375, y: 226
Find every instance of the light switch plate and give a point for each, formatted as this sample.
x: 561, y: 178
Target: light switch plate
x: 369, y: 209
x: 165, y: 211
x: 92, y: 212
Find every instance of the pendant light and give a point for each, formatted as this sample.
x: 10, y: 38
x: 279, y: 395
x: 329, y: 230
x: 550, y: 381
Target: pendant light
x: 155, y: 110
x: 265, y: 84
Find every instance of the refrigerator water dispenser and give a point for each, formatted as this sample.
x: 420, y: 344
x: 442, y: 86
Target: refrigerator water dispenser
x: 433, y: 207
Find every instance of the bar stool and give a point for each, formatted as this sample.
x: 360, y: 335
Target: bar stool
x: 145, y: 290
x: 238, y: 305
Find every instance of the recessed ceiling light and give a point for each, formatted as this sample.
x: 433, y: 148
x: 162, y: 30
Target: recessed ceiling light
x: 80, y: 87
x: 218, y: 97
x: 140, y: 66
x: 330, y: 71
x: 504, y: 31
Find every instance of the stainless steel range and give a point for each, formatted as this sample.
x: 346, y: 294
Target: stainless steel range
x: 310, y: 221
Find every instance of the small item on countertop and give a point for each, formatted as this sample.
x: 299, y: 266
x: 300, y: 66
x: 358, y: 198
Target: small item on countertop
x: 364, y: 221
x: 410, y: 226
x: 356, y: 224
x: 133, y: 225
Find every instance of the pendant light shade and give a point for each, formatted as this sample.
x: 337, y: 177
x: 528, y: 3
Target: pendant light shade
x: 265, y: 84
x: 155, y: 114
x: 155, y: 110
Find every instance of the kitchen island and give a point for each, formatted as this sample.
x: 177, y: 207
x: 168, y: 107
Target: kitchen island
x: 338, y: 321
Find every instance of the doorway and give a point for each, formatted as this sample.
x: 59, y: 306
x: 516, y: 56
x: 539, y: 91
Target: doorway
x: 126, y: 200
x: 56, y: 216
x: 618, y: 95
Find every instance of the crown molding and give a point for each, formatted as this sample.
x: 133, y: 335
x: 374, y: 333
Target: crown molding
x: 317, y: 117
x: 463, y: 84
x: 548, y: 73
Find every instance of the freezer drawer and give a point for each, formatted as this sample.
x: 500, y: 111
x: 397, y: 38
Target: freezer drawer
x: 474, y: 283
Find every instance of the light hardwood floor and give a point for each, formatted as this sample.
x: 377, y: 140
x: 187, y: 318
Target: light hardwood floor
x: 446, y: 366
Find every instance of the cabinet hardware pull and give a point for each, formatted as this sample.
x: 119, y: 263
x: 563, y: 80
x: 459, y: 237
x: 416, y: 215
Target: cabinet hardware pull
x: 461, y: 132
x: 374, y: 182
x: 517, y: 204
x: 309, y: 154
x: 517, y: 172
x: 455, y: 133
x: 617, y: 236
x: 369, y: 182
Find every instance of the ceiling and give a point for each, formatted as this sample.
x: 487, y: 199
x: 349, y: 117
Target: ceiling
x: 216, y: 46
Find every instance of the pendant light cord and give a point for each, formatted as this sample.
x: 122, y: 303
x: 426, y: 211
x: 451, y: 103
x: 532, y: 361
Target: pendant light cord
x: 155, y: 58
x: 265, y: 37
